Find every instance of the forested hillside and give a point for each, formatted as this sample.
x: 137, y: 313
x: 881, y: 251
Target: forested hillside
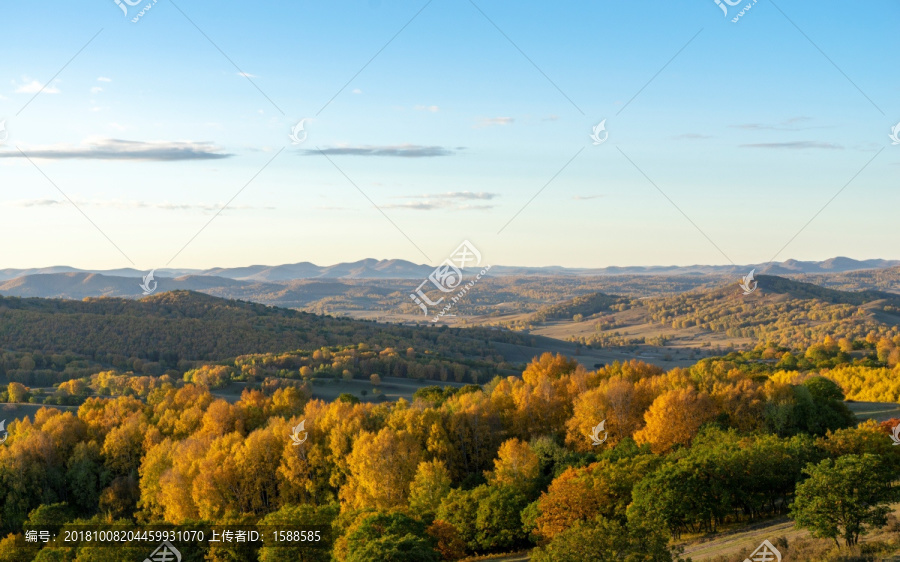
x: 171, y: 331
x: 783, y: 311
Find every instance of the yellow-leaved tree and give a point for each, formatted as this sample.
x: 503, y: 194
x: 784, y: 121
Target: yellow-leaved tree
x: 382, y: 467
x: 516, y: 465
x: 674, y: 418
x: 430, y: 485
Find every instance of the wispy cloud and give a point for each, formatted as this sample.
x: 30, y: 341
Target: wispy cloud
x: 449, y: 201
x: 119, y: 204
x: 116, y: 149
x: 792, y: 124
x: 456, y: 195
x: 400, y: 151
x: 247, y: 75
x: 96, y: 90
x: 436, y: 205
x: 33, y: 87
x: 431, y: 108
x: 37, y: 203
x: 493, y: 122
x: 795, y: 145
x: 104, y: 79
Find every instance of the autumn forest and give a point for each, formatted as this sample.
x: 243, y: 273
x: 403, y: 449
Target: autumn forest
x: 183, y: 410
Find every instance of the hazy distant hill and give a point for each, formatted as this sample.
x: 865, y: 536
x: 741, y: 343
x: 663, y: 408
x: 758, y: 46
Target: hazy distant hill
x: 79, y: 285
x: 402, y: 269
x: 339, y: 290
x: 833, y: 265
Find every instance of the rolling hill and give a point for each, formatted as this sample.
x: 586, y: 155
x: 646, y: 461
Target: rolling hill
x: 179, y: 326
x: 784, y: 311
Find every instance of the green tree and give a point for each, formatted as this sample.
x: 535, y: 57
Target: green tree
x: 430, y: 485
x: 843, y: 498
x: 393, y: 537
x: 487, y: 517
x: 604, y: 540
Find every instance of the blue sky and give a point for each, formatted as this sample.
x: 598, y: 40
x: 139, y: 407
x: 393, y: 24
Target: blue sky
x: 746, y: 129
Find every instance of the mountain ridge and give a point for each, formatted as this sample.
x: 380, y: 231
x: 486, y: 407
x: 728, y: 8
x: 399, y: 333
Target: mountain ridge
x: 371, y: 268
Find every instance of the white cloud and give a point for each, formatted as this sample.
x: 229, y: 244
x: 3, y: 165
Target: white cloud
x: 357, y: 91
x: 96, y: 90
x: 33, y: 87
x: 104, y: 79
x: 493, y: 122
x: 247, y: 75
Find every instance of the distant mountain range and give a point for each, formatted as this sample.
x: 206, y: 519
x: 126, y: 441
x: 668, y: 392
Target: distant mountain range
x: 402, y: 269
x: 302, y: 284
